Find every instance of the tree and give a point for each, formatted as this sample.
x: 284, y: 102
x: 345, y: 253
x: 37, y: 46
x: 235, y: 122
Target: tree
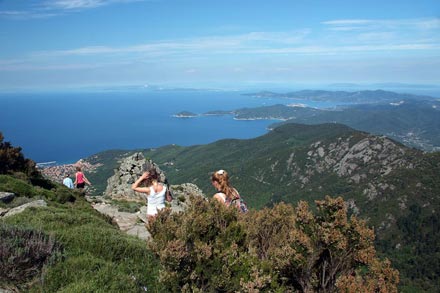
x: 12, y: 160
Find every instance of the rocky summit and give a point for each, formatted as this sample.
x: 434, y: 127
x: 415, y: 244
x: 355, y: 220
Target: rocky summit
x: 129, y: 170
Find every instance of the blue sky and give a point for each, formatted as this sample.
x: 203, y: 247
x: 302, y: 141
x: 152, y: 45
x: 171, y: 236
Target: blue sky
x: 207, y: 43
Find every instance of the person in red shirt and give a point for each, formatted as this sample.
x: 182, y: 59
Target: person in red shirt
x: 80, y: 179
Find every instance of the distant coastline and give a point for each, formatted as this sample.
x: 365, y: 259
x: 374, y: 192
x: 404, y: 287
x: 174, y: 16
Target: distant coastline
x: 46, y: 164
x: 263, y: 118
x: 185, y: 114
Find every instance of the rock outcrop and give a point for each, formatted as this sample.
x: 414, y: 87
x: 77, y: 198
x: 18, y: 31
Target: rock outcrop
x: 129, y: 170
x: 119, y: 188
x: 20, y: 209
x: 371, y: 155
x: 127, y: 222
x: 134, y: 223
x: 6, y: 196
x: 182, y: 195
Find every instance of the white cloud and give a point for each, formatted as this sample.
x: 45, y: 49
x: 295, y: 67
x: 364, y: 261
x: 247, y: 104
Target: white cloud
x: 206, y: 45
x: 237, y: 46
x: 73, y: 4
x: 81, y: 4
x: 349, y: 22
x: 337, y: 50
x: 376, y: 36
x: 240, y: 49
x: 366, y: 24
x: 50, y: 8
x: 22, y: 14
x: 385, y: 34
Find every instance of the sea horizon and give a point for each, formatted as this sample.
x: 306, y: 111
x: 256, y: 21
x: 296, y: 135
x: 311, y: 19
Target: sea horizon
x: 68, y: 126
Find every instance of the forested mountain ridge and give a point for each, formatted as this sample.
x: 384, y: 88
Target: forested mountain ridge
x: 364, y: 96
x: 416, y: 123
x: 394, y: 187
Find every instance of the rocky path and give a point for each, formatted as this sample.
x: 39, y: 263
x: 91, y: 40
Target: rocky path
x: 131, y: 223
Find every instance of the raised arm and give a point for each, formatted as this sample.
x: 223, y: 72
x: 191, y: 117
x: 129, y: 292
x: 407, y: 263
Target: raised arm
x: 135, y: 185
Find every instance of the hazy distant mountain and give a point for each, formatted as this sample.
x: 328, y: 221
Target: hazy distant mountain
x: 414, y: 123
x: 390, y: 85
x: 365, y: 96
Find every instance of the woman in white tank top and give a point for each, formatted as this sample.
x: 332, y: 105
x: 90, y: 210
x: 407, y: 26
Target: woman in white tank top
x: 154, y: 191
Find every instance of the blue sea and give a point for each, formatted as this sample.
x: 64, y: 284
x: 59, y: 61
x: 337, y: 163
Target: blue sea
x: 65, y: 127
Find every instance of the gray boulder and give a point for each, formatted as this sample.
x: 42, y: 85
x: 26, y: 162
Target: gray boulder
x: 20, y: 209
x: 6, y: 196
x: 130, y: 222
x: 182, y: 195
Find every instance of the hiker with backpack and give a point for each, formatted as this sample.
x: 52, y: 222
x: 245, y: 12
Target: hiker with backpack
x: 226, y: 194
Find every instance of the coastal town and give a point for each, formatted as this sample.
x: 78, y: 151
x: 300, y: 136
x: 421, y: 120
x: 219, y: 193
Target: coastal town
x: 56, y: 173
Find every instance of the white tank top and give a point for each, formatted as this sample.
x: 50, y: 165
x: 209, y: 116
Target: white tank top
x: 155, y: 201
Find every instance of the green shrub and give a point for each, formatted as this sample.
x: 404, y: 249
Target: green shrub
x: 127, y: 206
x: 12, y: 160
x: 60, y: 194
x: 211, y: 248
x: 17, y: 186
x: 22, y: 188
x: 23, y: 253
x: 205, y: 249
x: 98, y: 257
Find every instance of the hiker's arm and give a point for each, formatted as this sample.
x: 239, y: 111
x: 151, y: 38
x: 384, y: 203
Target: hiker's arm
x: 87, y: 180
x: 135, y: 185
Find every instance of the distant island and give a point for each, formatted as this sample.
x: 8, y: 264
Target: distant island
x: 218, y: 113
x: 185, y: 114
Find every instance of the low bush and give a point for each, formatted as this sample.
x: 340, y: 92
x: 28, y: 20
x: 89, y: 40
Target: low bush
x: 24, y: 253
x: 18, y: 186
x: 22, y: 188
x: 98, y: 257
x: 213, y: 248
x: 201, y: 250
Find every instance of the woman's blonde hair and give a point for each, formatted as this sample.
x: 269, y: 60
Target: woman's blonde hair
x: 222, y: 177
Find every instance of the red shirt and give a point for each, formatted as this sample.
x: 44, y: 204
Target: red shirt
x: 79, y: 177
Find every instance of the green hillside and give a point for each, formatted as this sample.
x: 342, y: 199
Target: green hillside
x: 64, y: 245
x: 396, y: 188
x: 414, y: 123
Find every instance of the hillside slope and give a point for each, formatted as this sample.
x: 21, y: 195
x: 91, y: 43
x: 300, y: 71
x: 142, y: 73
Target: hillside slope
x: 414, y: 123
x: 396, y: 188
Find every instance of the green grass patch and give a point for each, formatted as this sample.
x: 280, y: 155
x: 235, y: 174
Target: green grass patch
x: 127, y: 206
x: 97, y: 256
